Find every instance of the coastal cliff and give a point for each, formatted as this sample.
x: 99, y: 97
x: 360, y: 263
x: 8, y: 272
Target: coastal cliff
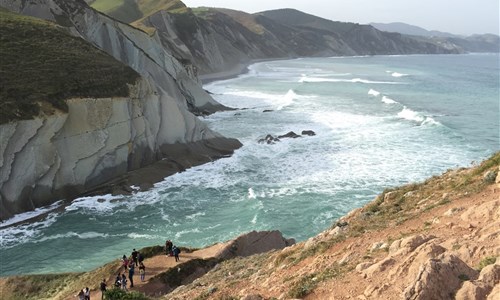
x: 437, y: 239
x: 218, y: 40
x: 84, y: 141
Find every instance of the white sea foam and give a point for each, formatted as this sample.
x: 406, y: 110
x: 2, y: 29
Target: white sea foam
x: 254, y: 220
x: 30, y: 214
x: 373, y: 92
x: 388, y: 100
x: 195, y: 215
x: 183, y: 232
x: 71, y: 234
x: 354, y: 80
x: 12, y: 236
x: 97, y: 203
x: 396, y: 74
x: 134, y: 235
x: 417, y: 117
x: 251, y: 194
x: 287, y: 99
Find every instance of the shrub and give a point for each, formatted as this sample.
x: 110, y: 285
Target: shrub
x: 118, y: 294
x: 489, y: 260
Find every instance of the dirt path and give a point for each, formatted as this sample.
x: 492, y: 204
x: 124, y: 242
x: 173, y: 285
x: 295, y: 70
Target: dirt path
x: 157, y: 265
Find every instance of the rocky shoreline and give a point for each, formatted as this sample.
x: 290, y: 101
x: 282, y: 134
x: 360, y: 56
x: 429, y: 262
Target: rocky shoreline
x: 436, y: 239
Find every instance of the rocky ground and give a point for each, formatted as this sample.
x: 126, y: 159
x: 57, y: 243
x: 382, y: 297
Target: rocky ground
x: 435, y: 240
x: 439, y: 239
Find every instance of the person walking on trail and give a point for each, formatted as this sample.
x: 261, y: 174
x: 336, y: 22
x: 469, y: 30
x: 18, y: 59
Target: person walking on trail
x: 168, y: 248
x: 103, y: 288
x: 118, y: 281
x: 124, y: 262
x: 124, y: 282
x: 131, y: 271
x: 81, y: 295
x: 86, y: 293
x: 142, y: 270
x: 140, y: 258
x: 134, y: 257
x: 176, y: 252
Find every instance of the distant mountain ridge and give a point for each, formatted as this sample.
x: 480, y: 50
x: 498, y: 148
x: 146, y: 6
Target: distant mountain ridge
x: 218, y: 39
x: 404, y: 28
x: 473, y: 43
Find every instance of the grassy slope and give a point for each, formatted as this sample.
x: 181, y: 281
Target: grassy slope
x: 42, y: 63
x: 129, y: 11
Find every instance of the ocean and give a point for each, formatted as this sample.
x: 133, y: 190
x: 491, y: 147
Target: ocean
x: 380, y: 122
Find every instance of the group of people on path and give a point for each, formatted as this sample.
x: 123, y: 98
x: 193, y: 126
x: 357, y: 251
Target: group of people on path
x: 84, y: 294
x: 172, y: 250
x: 135, y: 260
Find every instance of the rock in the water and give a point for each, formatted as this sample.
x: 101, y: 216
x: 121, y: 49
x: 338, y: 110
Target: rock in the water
x: 269, y: 139
x: 267, y: 110
x: 308, y: 132
x: 290, y: 134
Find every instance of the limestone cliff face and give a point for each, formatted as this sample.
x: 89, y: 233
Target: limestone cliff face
x: 127, y: 44
x: 218, y: 39
x: 65, y: 154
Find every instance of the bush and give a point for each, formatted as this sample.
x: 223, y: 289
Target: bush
x: 489, y: 260
x: 118, y: 294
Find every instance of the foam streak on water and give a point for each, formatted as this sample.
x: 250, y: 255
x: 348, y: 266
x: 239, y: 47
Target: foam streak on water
x: 374, y: 129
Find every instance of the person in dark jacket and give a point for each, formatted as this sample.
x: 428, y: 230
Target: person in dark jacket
x: 176, y: 252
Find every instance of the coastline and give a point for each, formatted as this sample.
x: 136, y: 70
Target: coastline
x: 236, y: 71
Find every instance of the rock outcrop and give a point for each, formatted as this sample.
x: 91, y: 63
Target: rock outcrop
x: 63, y: 155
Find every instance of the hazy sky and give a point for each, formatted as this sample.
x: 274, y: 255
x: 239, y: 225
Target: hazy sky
x: 454, y: 16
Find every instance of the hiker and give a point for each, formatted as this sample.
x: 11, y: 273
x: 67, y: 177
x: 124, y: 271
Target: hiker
x: 118, y: 281
x: 81, y: 295
x: 124, y: 262
x: 142, y: 270
x: 103, y: 288
x: 86, y: 293
x: 176, y: 252
x: 134, y: 256
x: 168, y: 248
x: 124, y: 282
x: 131, y: 270
x: 140, y: 257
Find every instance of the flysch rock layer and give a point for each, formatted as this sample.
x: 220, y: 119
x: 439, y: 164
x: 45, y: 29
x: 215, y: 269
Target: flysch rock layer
x: 61, y: 156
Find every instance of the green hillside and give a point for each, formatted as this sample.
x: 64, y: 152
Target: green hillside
x: 41, y: 65
x: 129, y: 11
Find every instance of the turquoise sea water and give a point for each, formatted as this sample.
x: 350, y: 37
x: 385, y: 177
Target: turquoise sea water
x: 380, y: 122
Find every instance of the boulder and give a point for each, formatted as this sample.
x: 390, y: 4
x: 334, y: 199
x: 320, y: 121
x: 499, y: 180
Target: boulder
x: 308, y: 132
x: 483, y: 286
x: 269, y: 139
x: 290, y: 134
x: 439, y: 278
x: 253, y: 243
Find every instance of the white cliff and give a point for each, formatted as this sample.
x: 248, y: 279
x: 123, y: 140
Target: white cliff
x: 65, y: 154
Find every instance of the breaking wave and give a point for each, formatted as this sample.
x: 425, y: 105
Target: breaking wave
x: 354, y: 80
x: 417, y: 117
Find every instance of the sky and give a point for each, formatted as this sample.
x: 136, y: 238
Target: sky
x: 463, y: 17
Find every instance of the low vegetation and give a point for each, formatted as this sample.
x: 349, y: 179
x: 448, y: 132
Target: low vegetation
x: 129, y: 11
x: 489, y: 260
x: 119, y: 294
x: 42, y: 65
